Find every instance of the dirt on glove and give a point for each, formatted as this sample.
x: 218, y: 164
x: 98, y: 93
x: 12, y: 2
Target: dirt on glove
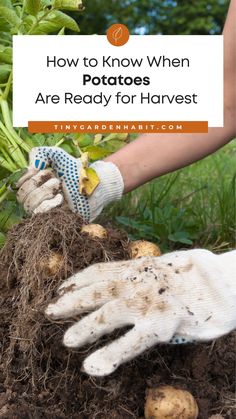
x: 39, y: 378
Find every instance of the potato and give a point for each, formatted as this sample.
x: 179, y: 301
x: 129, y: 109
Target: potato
x: 140, y: 248
x: 94, y: 230
x: 51, y: 264
x: 166, y: 402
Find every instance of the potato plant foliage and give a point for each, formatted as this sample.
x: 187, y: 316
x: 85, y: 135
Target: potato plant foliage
x: 35, y: 17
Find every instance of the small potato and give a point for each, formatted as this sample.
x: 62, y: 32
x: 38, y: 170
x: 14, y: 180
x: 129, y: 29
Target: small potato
x: 166, y: 402
x: 94, y: 230
x: 51, y: 264
x: 140, y: 248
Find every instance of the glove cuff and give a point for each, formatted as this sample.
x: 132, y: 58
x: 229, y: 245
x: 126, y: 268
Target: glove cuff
x: 110, y: 188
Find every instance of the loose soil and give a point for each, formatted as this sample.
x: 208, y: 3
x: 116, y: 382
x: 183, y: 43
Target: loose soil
x: 39, y: 378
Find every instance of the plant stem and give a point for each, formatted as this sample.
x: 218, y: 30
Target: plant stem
x: 22, y: 10
x: 7, y: 88
x: 15, y: 141
x: 6, y: 165
x: 60, y: 142
x: 4, y: 196
x: 8, y: 124
x: 8, y: 159
x: 14, y: 149
x: 3, y: 189
x: 39, y: 20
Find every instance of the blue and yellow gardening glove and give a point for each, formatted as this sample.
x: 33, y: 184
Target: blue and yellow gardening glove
x: 41, y: 189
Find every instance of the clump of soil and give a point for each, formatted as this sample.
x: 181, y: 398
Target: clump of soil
x: 39, y: 378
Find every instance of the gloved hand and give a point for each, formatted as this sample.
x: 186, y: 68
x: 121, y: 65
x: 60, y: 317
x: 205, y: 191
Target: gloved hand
x: 39, y: 190
x: 178, y: 297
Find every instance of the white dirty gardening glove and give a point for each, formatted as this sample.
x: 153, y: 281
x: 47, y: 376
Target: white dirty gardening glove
x: 179, y: 297
x: 39, y: 190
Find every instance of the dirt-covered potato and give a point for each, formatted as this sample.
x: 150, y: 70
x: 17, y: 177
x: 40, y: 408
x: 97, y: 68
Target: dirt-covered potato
x: 94, y: 230
x: 140, y: 248
x: 51, y: 264
x: 167, y: 402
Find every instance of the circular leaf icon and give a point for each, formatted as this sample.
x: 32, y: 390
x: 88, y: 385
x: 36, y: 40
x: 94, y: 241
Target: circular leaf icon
x: 118, y: 34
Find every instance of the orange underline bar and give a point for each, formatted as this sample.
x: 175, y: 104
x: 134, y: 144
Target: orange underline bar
x: 161, y: 127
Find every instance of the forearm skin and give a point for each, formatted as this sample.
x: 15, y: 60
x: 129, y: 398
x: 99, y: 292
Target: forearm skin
x: 153, y: 155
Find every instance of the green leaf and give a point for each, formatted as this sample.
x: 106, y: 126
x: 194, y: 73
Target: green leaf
x: 32, y: 6
x: 62, y: 31
x: 4, y: 27
x: 83, y: 140
x: 116, y: 136
x: 6, y: 37
x: 6, y: 55
x: 64, y: 20
x: 181, y: 237
x: 6, y: 3
x: 160, y: 229
x: 10, y: 16
x: 69, y: 148
x: 11, y: 213
x: 45, y: 27
x: 186, y: 241
x: 37, y: 140
x: 15, y: 177
x: 46, y: 3
x: 136, y: 225
x: 98, y: 138
x: 71, y: 5
x: 114, y: 145
x: 5, y: 70
x: 3, y: 174
x: 55, y: 21
x: 29, y: 21
x: 96, y: 153
x: 7, y: 219
x: 52, y: 141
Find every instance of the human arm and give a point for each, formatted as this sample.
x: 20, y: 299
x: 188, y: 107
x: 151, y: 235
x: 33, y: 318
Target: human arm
x: 153, y: 155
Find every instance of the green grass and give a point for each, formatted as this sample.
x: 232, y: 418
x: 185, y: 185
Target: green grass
x: 195, y: 206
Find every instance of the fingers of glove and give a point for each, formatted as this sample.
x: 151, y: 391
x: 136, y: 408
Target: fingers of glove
x: 76, y: 202
x: 32, y: 183
x: 39, y: 157
x: 87, y: 298
x: 49, y: 204
x: 108, y: 318
x: 46, y: 191
x: 67, y: 168
x: 93, y: 274
x: 107, y: 359
x: 28, y: 175
x: 62, y: 162
x: 141, y: 337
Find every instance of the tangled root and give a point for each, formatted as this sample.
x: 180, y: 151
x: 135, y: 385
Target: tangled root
x: 39, y: 254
